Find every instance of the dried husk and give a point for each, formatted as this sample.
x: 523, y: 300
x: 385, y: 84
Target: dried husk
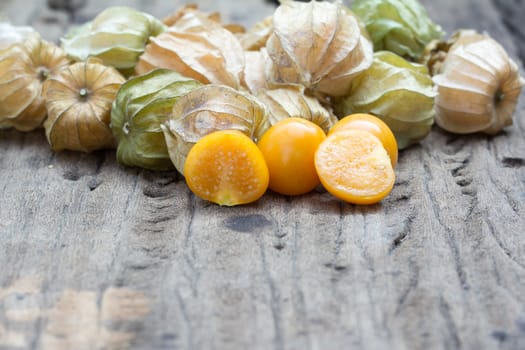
x: 173, y: 18
x: 117, y: 36
x: 436, y: 51
x: 142, y: 104
x: 207, y: 109
x: 256, y: 37
x: 78, y: 101
x: 478, y: 85
x: 399, y: 92
x: 23, y: 69
x: 319, y: 45
x: 199, y: 48
x: 288, y: 102
x: 11, y: 35
x: 254, y: 77
x: 400, y: 26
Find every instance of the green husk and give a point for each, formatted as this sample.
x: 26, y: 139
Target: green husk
x: 397, y: 91
x: 118, y: 36
x: 141, y: 105
x: 400, y: 26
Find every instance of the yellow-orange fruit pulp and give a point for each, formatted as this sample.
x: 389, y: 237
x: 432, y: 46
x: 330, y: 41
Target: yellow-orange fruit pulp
x: 354, y: 166
x: 227, y: 168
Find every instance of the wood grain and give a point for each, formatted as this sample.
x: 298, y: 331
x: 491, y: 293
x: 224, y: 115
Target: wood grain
x: 98, y: 256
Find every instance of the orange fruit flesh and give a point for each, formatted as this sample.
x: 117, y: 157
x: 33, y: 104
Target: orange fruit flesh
x: 354, y: 166
x: 373, y: 125
x: 226, y: 167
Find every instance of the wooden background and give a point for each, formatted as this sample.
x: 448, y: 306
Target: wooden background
x: 97, y: 256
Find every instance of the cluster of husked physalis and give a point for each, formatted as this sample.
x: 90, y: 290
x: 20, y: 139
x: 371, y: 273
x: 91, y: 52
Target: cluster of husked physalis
x: 316, y: 93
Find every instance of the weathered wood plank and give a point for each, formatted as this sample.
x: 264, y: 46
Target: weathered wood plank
x: 97, y: 256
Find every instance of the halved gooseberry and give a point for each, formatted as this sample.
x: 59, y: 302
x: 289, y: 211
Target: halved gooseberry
x: 354, y: 166
x: 227, y: 168
x: 373, y: 125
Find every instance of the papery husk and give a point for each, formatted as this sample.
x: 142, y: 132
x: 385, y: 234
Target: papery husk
x: 78, y: 101
x: 399, y: 92
x: 173, y: 18
x: 142, y: 104
x: 117, y: 36
x: 291, y: 102
x: 436, y: 51
x: 254, y: 78
x: 478, y: 85
x: 23, y: 69
x: 399, y: 26
x: 207, y: 109
x: 256, y: 37
x: 11, y: 35
x: 319, y: 45
x: 198, y: 48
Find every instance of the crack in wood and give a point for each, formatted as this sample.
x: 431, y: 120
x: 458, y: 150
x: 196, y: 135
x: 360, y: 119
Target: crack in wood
x: 275, y: 305
x: 160, y: 219
x: 193, y: 275
x: 190, y: 338
x: 462, y: 176
x: 339, y: 240
x: 279, y: 246
x: 506, y: 251
x: 512, y: 162
x: 413, y: 282
x: 452, y: 341
x: 251, y: 223
x: 300, y: 304
x: 449, y: 234
x: 156, y: 190
x: 336, y: 267
x: 72, y: 174
x: 399, y: 239
x: 93, y: 184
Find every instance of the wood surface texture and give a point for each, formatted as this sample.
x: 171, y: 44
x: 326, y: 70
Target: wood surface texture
x: 97, y: 256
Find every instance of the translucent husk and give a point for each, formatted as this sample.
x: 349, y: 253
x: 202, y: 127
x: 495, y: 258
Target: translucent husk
x: 173, y: 18
x: 397, y: 91
x: 117, y: 36
x: 254, y: 77
x: 142, y: 104
x: 199, y: 48
x: 11, y: 35
x: 23, y: 69
x: 399, y: 26
x: 436, y: 51
x: 78, y: 101
x: 287, y: 102
x: 255, y: 37
x: 319, y: 45
x: 207, y: 109
x: 478, y: 84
